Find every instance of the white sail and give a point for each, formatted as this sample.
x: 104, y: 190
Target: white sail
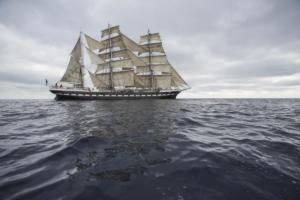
x: 154, y: 56
x: 150, y: 38
x: 131, y: 45
x: 162, y: 81
x: 135, y: 59
x: 124, y: 63
x: 177, y: 80
x: 95, y: 59
x: 98, y: 83
x: 73, y: 73
x: 76, y: 52
x: 122, y: 42
x: 138, y: 82
x: 110, y: 30
x: 114, y: 54
x: 93, y: 43
x: 121, y: 63
x: 114, y: 42
x: 159, y: 81
x: 124, y: 54
x: 152, y: 47
x: 120, y: 79
x: 157, y: 68
x: 157, y: 59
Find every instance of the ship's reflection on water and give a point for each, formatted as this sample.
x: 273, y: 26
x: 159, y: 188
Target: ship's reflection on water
x: 118, y: 140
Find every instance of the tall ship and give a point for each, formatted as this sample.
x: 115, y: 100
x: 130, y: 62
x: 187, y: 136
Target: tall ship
x: 116, y: 67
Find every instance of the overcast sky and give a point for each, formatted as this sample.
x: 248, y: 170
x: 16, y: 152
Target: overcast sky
x: 222, y: 48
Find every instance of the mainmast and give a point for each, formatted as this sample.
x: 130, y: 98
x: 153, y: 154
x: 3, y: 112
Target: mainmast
x: 149, y: 61
x: 111, y: 84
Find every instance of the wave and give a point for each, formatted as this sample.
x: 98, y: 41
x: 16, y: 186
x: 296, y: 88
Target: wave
x: 187, y: 149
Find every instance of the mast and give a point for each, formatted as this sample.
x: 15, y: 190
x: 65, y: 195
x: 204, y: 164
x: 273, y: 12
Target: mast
x: 149, y: 57
x: 111, y: 85
x: 81, y: 59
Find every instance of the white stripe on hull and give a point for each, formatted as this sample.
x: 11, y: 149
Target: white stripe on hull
x: 80, y: 95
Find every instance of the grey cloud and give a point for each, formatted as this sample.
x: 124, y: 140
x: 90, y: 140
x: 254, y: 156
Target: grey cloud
x: 262, y: 69
x: 216, y: 45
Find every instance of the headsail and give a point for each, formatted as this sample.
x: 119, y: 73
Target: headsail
x: 73, y: 73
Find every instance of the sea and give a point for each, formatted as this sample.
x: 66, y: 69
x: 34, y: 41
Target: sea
x: 185, y: 149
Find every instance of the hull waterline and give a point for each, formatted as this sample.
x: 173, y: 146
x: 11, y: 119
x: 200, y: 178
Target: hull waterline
x: 84, y: 95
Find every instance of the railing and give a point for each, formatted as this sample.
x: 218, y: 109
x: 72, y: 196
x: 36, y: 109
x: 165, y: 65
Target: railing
x: 64, y: 87
x: 121, y: 91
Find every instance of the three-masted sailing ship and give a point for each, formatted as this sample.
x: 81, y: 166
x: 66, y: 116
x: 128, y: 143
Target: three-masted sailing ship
x: 116, y: 67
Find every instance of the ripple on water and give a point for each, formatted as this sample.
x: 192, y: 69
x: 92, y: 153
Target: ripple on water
x: 183, y: 149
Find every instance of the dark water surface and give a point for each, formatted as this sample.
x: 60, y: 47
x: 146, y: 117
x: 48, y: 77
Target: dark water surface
x: 150, y: 149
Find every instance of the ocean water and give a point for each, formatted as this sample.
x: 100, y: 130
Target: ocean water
x: 150, y: 149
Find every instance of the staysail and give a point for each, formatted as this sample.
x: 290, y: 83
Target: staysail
x: 73, y: 73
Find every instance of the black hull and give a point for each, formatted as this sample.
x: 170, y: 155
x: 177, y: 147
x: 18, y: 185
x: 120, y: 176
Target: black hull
x: 84, y: 95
